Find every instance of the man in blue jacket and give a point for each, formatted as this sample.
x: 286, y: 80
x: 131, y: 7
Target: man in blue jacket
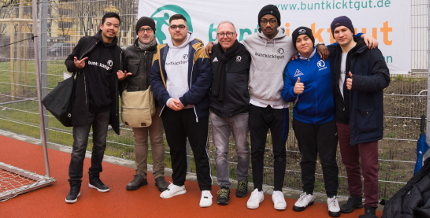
x: 180, y: 80
x: 360, y: 75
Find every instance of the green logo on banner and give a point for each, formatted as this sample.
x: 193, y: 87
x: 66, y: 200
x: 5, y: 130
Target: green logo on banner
x: 161, y: 17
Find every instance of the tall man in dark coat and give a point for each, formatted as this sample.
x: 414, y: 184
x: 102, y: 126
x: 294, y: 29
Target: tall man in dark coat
x: 96, y: 59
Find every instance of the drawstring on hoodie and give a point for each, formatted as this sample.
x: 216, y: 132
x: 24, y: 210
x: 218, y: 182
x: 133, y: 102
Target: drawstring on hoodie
x: 274, y: 43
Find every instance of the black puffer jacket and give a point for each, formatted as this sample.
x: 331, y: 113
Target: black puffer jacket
x: 413, y: 200
x: 80, y: 111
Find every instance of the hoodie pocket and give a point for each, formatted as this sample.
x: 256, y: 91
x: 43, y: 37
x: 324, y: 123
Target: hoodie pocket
x: 366, y: 119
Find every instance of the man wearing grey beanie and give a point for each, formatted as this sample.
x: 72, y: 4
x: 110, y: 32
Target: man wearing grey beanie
x: 138, y: 60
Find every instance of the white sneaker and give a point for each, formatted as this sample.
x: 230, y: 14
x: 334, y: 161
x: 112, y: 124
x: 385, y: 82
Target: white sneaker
x: 333, y: 207
x: 206, y: 199
x: 173, y: 190
x: 255, y: 199
x: 304, y: 201
x: 279, y: 200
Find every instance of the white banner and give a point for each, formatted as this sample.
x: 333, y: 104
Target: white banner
x: 387, y: 21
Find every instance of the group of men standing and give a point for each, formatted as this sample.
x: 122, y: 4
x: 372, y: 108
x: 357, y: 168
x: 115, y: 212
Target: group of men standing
x: 230, y: 83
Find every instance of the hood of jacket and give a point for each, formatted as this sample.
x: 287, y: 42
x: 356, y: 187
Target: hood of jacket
x: 187, y: 41
x: 281, y: 34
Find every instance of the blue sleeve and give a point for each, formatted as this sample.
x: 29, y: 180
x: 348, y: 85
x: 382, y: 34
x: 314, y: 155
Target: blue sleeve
x: 288, y: 91
x: 157, y: 84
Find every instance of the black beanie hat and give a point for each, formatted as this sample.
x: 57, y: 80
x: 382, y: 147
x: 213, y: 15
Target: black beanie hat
x: 145, y: 21
x: 302, y: 31
x: 270, y: 9
x: 341, y: 21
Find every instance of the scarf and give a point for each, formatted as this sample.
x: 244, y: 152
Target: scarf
x: 147, y: 46
x: 219, y: 82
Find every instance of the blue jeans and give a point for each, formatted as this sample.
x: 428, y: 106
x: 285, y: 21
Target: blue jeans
x: 99, y: 122
x: 221, y: 129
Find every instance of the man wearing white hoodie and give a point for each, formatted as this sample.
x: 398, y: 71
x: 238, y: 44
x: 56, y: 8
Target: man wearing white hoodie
x: 180, y: 80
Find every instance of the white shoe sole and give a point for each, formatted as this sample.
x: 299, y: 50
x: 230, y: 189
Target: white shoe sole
x: 100, y: 190
x: 280, y: 207
x: 170, y: 196
x: 205, y: 205
x: 73, y: 201
x: 252, y: 207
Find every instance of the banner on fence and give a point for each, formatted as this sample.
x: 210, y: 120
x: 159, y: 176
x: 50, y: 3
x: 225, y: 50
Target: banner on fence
x: 387, y: 21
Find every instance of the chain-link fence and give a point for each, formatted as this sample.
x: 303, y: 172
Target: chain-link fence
x: 63, y: 23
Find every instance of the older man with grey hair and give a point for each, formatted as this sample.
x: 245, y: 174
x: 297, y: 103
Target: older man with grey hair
x: 229, y: 107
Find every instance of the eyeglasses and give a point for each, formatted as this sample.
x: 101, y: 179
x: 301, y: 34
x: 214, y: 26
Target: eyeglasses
x: 228, y: 34
x: 271, y: 21
x: 148, y: 30
x: 181, y: 27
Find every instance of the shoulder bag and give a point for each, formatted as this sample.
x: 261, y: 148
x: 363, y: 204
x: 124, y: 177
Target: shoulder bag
x: 137, y: 108
x: 60, y: 100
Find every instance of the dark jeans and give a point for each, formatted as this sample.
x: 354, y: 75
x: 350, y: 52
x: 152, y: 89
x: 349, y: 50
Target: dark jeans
x: 178, y: 126
x: 99, y: 122
x: 260, y: 121
x: 321, y: 140
x: 351, y: 155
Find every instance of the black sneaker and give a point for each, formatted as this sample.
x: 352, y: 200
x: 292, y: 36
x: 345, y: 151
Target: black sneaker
x: 161, y: 183
x: 242, y: 189
x: 369, y: 212
x: 353, y: 203
x: 223, y: 196
x: 137, y: 182
x: 75, y: 188
x: 96, y: 183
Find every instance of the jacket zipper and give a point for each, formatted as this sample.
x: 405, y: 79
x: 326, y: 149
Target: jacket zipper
x: 145, y: 81
x: 85, y: 81
x: 191, y: 80
x: 116, y: 84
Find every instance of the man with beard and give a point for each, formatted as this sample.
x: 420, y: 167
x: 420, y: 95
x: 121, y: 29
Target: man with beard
x: 180, y: 80
x: 138, y: 61
x: 96, y: 59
